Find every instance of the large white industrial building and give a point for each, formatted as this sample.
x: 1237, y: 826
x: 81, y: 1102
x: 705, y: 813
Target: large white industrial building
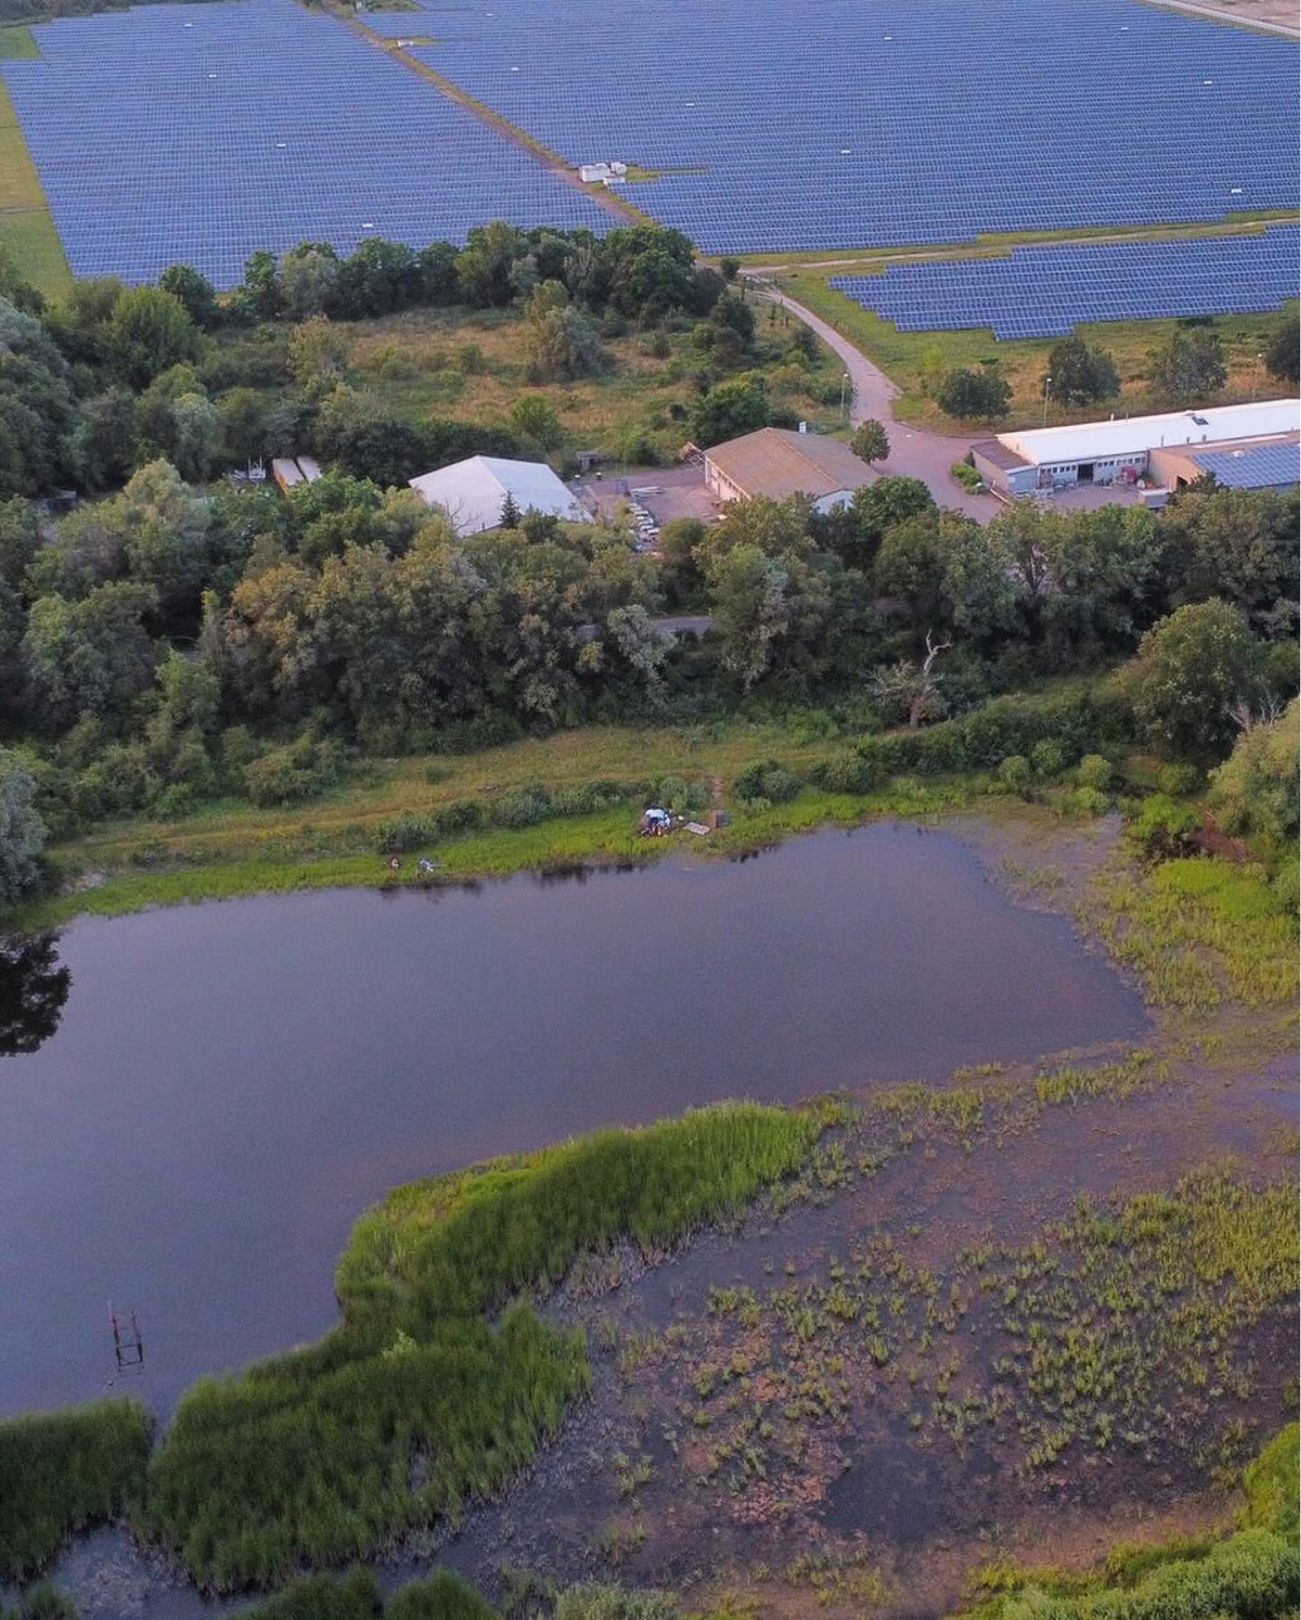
x: 473, y: 493
x: 1255, y: 446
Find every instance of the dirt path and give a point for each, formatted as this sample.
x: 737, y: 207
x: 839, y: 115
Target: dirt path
x: 914, y: 453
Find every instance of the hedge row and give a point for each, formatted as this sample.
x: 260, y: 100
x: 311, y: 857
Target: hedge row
x: 524, y: 807
x: 1080, y: 723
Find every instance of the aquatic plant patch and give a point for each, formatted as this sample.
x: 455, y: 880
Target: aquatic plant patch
x: 63, y: 1471
x: 420, y: 1402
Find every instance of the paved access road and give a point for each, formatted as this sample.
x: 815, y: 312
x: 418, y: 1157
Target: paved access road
x: 914, y: 453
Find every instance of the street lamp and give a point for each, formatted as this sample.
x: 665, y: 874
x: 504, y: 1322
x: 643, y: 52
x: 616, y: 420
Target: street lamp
x: 844, y: 389
x: 1255, y: 375
x: 1048, y: 383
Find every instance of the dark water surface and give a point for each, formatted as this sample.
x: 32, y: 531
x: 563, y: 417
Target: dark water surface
x: 231, y: 1084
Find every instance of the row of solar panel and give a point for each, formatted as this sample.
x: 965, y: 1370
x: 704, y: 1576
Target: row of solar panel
x: 1046, y: 292
x: 163, y: 163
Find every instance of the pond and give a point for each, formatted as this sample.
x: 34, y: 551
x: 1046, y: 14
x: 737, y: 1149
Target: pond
x: 192, y: 1134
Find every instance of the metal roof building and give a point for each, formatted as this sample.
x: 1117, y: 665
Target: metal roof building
x: 777, y: 462
x: 473, y: 492
x: 1168, y: 447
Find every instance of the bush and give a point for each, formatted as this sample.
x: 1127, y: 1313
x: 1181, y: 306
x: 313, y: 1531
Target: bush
x: 1178, y: 781
x: 523, y: 808
x: 1014, y: 773
x: 324, y: 1597
x: 77, y: 1468
x: 1080, y: 723
x: 1094, y: 772
x: 676, y: 793
x: 1162, y: 829
x: 298, y: 771
x: 444, y: 1596
x: 770, y: 780
x: 1048, y: 757
x: 1255, y: 791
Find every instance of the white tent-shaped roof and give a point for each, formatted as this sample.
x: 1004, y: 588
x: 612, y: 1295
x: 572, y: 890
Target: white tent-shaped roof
x: 473, y: 492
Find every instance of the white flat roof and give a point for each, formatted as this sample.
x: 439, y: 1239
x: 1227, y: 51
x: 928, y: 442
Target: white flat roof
x: 1134, y: 435
x: 473, y: 492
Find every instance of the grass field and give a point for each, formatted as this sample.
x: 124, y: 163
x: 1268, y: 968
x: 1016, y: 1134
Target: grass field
x: 18, y: 45
x: 231, y: 849
x: 27, y: 229
x: 470, y: 364
x: 909, y: 356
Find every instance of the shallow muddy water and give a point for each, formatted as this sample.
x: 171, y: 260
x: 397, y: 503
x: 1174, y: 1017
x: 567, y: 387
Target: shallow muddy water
x: 229, y: 1085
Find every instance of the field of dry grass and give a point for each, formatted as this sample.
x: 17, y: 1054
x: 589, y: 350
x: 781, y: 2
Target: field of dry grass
x: 471, y: 365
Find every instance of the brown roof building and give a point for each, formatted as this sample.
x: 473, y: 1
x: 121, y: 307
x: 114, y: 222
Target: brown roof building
x: 777, y: 463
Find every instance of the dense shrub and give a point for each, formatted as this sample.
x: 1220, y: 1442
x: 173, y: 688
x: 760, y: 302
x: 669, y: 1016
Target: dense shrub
x: 1094, y: 772
x: 768, y: 779
x: 1178, y: 781
x: 1048, y: 757
x: 676, y: 793
x: 76, y: 1467
x: 1161, y: 829
x: 297, y: 771
x: 444, y: 1596
x: 1255, y: 791
x: 524, y: 807
x: 324, y: 1597
x: 1077, y: 723
x: 1014, y: 773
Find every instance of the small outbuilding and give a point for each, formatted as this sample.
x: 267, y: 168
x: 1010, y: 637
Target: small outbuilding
x: 474, y: 493
x: 290, y: 471
x: 778, y: 462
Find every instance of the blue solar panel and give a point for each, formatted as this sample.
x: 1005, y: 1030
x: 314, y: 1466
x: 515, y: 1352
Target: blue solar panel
x: 201, y: 133
x: 836, y: 124
x: 1048, y: 291
x: 1263, y: 466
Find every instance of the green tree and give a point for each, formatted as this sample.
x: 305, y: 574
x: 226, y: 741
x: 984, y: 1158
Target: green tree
x: 88, y: 657
x: 730, y: 409
x: 980, y: 394
x: 534, y: 417
x: 1189, y: 366
x: 1238, y: 544
x: 309, y: 276
x: 1282, y: 356
x: 150, y: 331
x: 1255, y: 791
x: 103, y: 440
x: 870, y: 442
x: 317, y: 353
x: 196, y: 292
x: 22, y: 832
x: 510, y: 512
x: 561, y: 341
x: 1080, y: 374
x: 1195, y: 672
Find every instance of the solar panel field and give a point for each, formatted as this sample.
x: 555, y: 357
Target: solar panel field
x: 201, y: 133
x: 785, y: 128
x: 1047, y: 292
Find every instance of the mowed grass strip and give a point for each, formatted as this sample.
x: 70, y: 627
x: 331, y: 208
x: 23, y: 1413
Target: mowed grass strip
x: 420, y: 1402
x: 18, y: 45
x: 64, y: 1471
x: 27, y: 229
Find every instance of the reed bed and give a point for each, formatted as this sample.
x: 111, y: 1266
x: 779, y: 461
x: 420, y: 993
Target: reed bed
x: 421, y: 1402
